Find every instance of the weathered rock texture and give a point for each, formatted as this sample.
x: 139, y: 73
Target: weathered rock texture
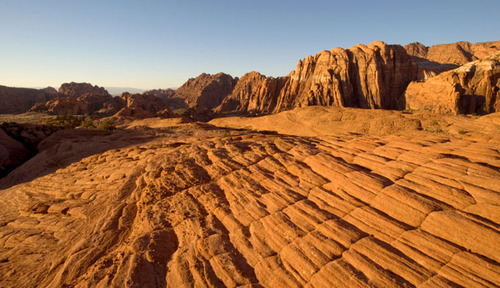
x: 455, y: 53
x: 472, y: 88
x: 180, y: 205
x: 81, y: 98
x: 206, y: 91
x: 20, y: 100
x: 373, y: 76
x: 254, y: 92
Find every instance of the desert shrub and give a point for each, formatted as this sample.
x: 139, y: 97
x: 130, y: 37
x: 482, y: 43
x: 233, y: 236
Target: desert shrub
x: 434, y: 123
x: 107, y: 125
x: 66, y: 120
x: 87, y: 123
x: 462, y: 131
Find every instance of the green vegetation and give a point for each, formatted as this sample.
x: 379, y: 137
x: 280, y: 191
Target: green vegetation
x: 87, y: 123
x: 226, y: 134
x: 107, y: 125
x: 29, y: 117
x: 462, y: 132
x: 434, y: 123
x: 436, y: 130
x: 66, y: 121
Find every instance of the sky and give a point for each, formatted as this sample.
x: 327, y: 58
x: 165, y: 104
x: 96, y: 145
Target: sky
x: 152, y: 44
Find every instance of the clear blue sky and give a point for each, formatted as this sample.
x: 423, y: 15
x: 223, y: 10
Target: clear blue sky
x: 160, y: 44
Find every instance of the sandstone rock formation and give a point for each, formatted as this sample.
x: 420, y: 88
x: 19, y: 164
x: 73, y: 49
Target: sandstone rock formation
x: 81, y: 98
x: 143, y: 105
x: 20, y: 100
x: 164, y: 94
x: 253, y: 92
x: 471, y: 88
x: 145, y: 101
x: 165, y: 204
x: 373, y: 76
x: 206, y: 91
x: 455, y: 53
x: 436, y: 59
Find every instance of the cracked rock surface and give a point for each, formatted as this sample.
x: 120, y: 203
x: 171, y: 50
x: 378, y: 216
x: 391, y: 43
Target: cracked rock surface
x: 166, y: 204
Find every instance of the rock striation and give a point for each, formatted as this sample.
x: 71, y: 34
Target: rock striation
x: 473, y: 88
x: 372, y: 76
x: 174, y: 205
x: 207, y: 91
x: 19, y: 100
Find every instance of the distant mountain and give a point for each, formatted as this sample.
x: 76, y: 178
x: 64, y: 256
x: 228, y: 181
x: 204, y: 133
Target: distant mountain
x: 117, y: 91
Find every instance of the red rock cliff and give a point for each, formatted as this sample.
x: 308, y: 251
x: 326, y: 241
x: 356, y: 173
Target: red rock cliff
x: 471, y: 88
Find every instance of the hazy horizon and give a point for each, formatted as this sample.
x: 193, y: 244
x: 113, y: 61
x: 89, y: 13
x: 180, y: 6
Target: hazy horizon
x: 163, y: 44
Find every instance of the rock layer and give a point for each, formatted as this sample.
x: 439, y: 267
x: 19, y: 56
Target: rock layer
x: 181, y: 205
x: 472, y: 88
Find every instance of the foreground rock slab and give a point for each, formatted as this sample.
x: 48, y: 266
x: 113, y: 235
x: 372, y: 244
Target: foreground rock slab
x: 166, y: 204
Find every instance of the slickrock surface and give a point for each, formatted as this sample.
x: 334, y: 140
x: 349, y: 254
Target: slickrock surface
x: 471, y: 88
x: 166, y: 204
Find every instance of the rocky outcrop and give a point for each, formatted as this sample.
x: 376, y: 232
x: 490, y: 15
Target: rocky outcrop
x: 436, y: 59
x: 20, y: 100
x: 363, y: 76
x: 372, y: 76
x: 81, y: 98
x: 144, y: 101
x: 181, y: 205
x: 471, y: 88
x: 143, y: 105
x: 457, y: 53
x: 254, y: 93
x: 164, y: 94
x: 78, y: 90
x: 207, y: 91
